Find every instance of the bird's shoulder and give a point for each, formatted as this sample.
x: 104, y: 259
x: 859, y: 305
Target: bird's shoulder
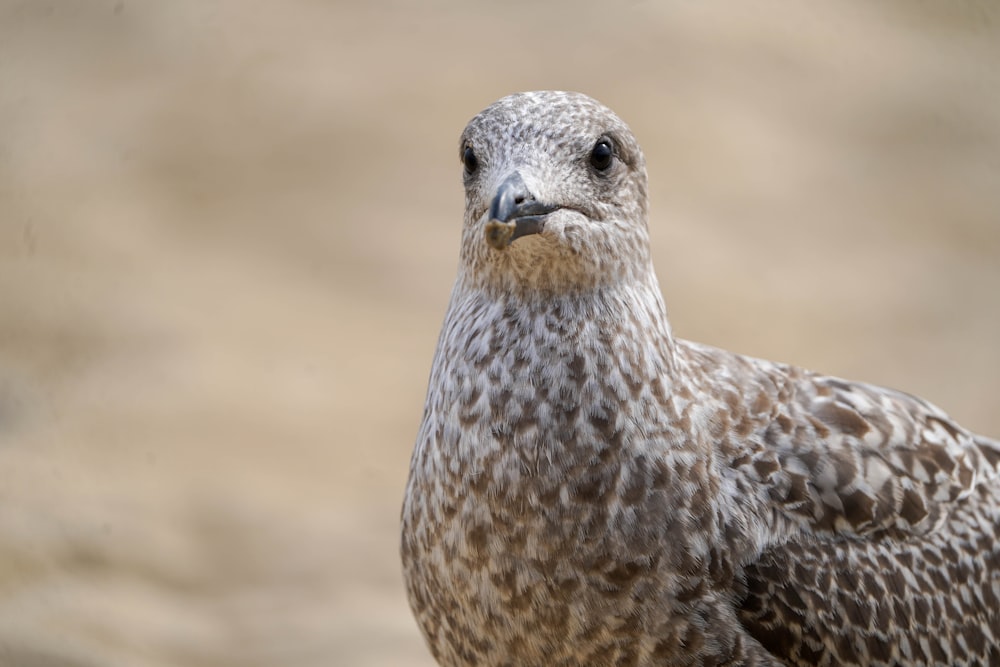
x: 837, y: 456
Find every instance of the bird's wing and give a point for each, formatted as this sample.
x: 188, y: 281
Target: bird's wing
x: 884, y: 515
x: 898, y: 557
x: 841, y: 457
x: 879, y: 600
x: 858, y: 458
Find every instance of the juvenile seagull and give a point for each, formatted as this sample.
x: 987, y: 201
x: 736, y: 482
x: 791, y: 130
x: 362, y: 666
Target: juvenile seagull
x: 588, y: 490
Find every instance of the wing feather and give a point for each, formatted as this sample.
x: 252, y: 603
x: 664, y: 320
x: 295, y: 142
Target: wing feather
x: 884, y: 515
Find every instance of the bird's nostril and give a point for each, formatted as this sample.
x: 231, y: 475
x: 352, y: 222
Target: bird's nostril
x: 519, y: 199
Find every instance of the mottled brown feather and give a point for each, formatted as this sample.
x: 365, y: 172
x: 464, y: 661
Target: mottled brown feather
x: 587, y: 490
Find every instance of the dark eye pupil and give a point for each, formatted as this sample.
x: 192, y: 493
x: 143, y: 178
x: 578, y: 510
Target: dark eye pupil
x: 469, y: 160
x: 602, y: 155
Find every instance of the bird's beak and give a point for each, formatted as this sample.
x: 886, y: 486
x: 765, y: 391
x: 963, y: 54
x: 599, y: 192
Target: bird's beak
x: 514, y: 213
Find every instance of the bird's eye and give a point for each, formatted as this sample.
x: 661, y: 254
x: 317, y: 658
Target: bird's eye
x: 602, y: 156
x: 469, y: 160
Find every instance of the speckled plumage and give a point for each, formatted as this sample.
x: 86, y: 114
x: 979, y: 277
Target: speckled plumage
x: 587, y: 490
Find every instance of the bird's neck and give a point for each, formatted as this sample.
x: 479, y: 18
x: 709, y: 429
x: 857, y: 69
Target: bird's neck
x: 535, y: 370
x: 622, y: 324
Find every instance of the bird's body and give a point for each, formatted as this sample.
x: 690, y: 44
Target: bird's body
x: 587, y: 490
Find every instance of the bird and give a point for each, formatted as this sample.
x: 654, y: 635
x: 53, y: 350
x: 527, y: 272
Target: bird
x: 587, y: 489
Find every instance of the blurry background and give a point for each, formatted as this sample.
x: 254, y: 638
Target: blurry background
x: 228, y: 232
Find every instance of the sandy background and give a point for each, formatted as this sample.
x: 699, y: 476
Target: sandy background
x: 228, y: 232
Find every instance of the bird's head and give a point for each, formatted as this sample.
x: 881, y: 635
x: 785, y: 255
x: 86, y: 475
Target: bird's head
x: 555, y: 195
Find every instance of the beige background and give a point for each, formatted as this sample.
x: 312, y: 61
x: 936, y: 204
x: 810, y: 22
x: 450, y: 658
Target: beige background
x: 228, y: 231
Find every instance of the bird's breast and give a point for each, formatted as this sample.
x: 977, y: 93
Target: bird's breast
x: 549, y: 480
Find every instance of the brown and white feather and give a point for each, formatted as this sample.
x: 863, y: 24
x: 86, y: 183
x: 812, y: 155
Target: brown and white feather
x: 587, y: 490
